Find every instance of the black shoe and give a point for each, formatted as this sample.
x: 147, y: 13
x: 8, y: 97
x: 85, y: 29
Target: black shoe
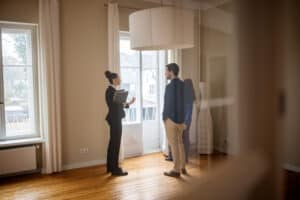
x: 183, y: 171
x: 172, y: 174
x: 119, y: 173
x: 108, y: 170
x: 169, y: 159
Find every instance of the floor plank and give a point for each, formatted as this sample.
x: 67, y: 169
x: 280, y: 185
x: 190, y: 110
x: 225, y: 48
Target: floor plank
x: 145, y: 181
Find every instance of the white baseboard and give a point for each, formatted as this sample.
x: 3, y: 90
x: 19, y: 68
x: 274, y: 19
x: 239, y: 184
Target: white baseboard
x: 291, y: 167
x: 153, y: 151
x: 83, y: 164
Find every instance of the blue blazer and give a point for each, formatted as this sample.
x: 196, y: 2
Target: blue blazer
x: 174, y: 102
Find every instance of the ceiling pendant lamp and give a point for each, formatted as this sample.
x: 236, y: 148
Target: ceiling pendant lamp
x: 161, y: 28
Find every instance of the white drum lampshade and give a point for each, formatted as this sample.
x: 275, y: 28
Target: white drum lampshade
x: 162, y: 28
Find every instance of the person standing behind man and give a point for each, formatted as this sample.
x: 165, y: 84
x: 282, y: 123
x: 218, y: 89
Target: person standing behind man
x: 189, y: 98
x: 174, y: 117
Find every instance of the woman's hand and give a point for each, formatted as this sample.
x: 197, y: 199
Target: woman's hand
x: 132, y: 101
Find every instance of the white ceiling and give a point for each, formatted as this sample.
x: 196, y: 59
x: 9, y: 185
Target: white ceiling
x: 192, y: 4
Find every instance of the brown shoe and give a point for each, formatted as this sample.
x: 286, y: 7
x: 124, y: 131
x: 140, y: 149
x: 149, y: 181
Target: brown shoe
x: 183, y: 171
x: 172, y: 174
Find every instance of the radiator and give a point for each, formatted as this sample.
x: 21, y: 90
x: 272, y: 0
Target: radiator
x: 17, y: 160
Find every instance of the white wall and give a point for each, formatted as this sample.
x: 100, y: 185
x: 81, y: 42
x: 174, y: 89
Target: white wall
x: 84, y: 60
x: 19, y: 10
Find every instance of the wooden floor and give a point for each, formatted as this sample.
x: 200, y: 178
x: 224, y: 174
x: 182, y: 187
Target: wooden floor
x: 145, y: 181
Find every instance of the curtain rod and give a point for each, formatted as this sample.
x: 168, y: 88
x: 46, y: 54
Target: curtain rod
x: 126, y: 7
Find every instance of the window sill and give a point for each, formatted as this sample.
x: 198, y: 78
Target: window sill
x: 21, y: 142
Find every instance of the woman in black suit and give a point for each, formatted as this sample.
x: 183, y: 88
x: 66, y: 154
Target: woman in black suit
x: 114, y: 119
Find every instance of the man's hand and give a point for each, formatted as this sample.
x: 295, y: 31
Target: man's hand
x: 184, y: 126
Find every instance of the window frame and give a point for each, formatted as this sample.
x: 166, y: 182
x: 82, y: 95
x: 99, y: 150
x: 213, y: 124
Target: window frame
x: 35, y: 54
x: 141, y: 68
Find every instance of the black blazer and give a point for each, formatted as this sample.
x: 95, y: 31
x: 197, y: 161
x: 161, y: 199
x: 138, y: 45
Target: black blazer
x: 115, y: 110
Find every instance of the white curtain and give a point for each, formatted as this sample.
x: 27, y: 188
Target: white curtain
x: 50, y: 84
x: 114, y: 46
x: 113, y: 38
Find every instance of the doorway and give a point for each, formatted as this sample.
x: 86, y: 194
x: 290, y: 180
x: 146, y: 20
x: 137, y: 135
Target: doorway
x: 142, y: 74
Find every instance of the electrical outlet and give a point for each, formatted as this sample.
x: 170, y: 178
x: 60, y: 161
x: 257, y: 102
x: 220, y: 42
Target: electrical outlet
x: 84, y: 150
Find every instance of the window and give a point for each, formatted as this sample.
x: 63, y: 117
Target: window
x: 130, y: 75
x: 150, y: 84
x: 140, y: 76
x: 18, y: 89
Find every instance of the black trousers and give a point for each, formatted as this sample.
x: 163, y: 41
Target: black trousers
x: 112, y: 162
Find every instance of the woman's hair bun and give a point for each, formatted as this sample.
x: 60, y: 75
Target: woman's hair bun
x: 107, y: 74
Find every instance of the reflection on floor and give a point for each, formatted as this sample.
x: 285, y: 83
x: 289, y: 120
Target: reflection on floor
x: 145, y: 181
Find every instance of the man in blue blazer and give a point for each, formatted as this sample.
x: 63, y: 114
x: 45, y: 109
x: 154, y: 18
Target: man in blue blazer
x: 189, y: 98
x: 174, y: 118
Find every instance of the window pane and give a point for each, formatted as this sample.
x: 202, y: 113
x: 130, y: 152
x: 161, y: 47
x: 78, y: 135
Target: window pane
x: 130, y: 82
x: 16, y: 47
x: 19, y: 105
x: 150, y: 95
x: 149, y: 59
x: 19, y: 110
x: 128, y: 57
x: 130, y: 75
x: 162, y: 59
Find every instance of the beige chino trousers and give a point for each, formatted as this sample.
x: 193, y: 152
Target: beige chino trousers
x: 174, y: 133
